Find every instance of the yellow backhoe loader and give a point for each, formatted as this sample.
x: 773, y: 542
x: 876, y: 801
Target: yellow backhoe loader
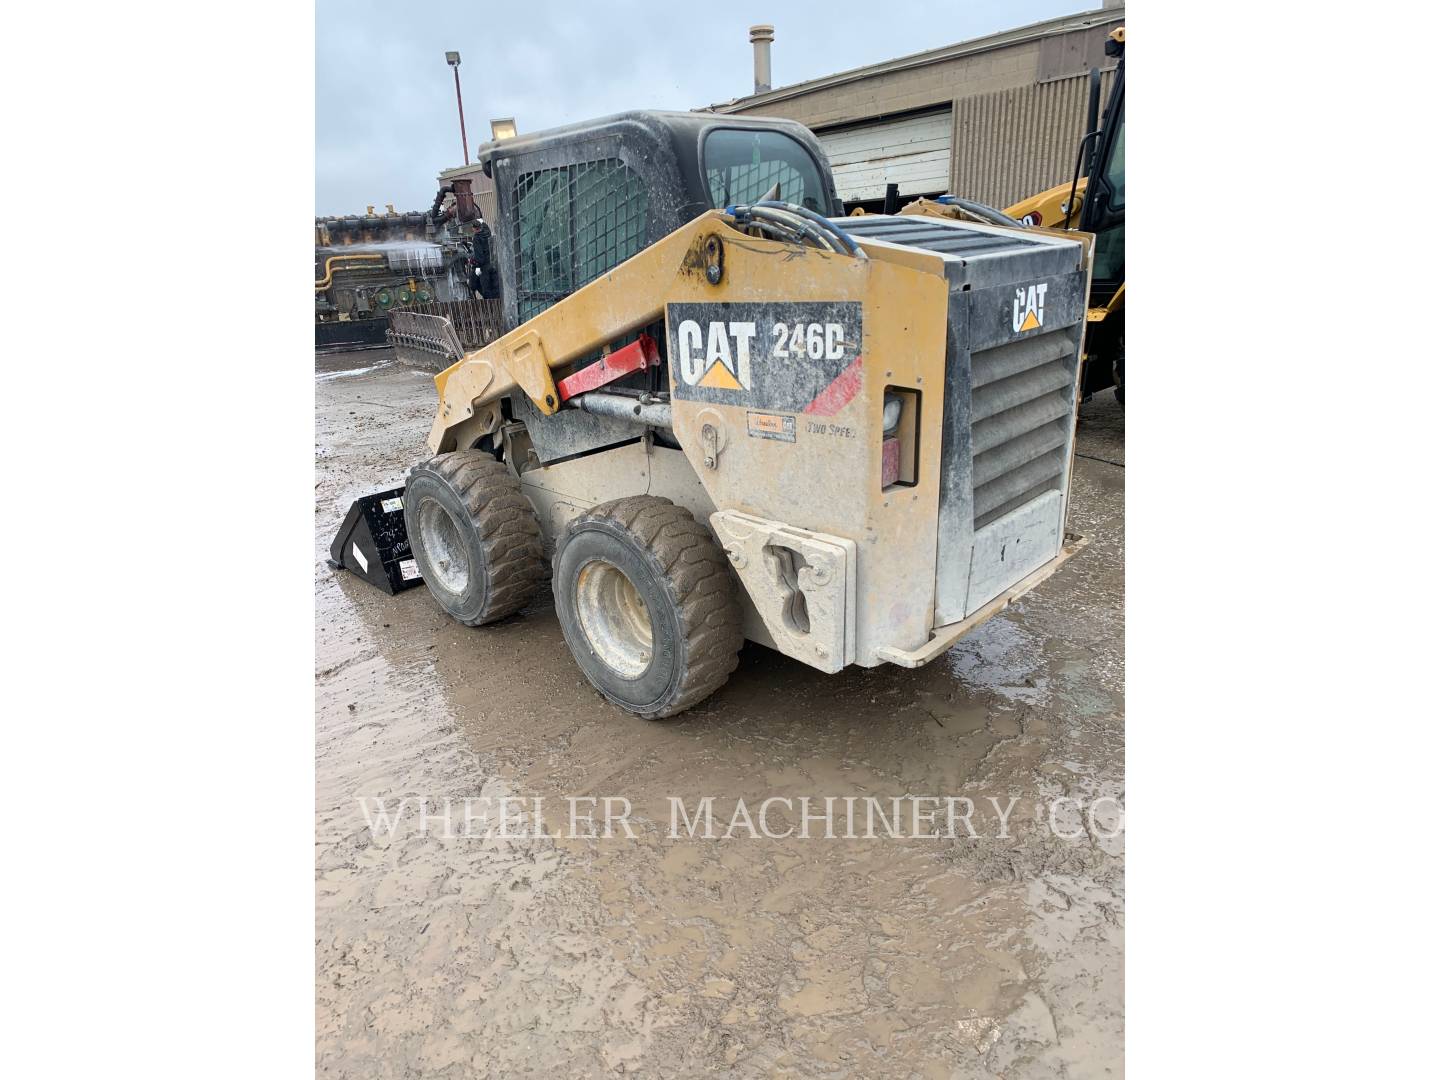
x: 1095, y: 203
x: 1092, y: 201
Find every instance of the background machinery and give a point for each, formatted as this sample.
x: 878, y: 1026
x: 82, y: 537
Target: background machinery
x: 723, y: 412
x: 373, y: 266
x: 1094, y: 202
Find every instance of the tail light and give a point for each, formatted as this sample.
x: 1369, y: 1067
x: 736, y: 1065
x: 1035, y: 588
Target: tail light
x: 898, y: 430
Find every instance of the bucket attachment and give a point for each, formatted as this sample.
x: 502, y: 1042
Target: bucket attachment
x: 427, y: 342
x: 372, y: 542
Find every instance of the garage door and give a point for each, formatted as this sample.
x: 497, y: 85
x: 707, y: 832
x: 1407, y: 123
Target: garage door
x: 913, y: 152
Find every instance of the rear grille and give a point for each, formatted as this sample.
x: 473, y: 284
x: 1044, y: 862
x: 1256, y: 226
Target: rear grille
x: 1021, y: 412
x: 1008, y: 404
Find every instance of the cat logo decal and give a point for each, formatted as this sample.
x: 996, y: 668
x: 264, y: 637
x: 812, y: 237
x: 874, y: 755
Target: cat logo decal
x: 1029, y: 309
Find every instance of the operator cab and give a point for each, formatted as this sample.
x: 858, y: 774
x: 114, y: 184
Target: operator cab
x: 576, y: 201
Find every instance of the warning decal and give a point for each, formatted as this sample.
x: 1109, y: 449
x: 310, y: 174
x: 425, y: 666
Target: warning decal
x: 764, y: 425
x: 770, y: 356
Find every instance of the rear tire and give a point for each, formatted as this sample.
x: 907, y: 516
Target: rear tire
x: 648, y: 606
x: 474, y: 536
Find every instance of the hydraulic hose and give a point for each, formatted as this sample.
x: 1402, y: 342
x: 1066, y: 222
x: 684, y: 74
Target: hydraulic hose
x: 979, y: 209
x: 799, y: 222
x: 820, y: 220
x: 445, y: 189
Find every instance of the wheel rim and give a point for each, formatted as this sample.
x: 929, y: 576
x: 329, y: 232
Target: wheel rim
x: 444, y: 547
x: 614, y: 617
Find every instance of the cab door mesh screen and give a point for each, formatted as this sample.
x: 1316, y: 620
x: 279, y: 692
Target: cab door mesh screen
x: 574, y: 223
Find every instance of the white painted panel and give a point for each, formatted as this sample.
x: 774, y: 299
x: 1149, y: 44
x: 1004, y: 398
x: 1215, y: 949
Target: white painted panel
x: 914, y: 153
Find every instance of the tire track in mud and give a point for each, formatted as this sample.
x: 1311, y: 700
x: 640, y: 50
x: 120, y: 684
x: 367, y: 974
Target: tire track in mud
x: 677, y: 957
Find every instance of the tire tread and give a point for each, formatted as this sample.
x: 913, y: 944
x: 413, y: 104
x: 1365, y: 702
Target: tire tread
x: 515, y: 565
x: 700, y: 582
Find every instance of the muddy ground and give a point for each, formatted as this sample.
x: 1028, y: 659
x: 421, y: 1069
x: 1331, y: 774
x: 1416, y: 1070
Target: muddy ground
x: 481, y: 955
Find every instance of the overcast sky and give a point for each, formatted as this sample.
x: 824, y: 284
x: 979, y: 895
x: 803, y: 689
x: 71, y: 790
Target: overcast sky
x: 385, y: 119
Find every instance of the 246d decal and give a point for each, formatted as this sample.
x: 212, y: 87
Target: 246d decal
x: 788, y: 357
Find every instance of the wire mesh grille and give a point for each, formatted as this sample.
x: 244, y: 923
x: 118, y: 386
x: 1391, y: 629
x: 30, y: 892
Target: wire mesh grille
x: 574, y: 223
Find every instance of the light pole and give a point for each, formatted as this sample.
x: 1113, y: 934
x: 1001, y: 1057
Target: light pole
x: 453, y: 59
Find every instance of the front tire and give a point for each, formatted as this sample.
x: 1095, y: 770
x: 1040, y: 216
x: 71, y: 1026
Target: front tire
x: 648, y: 606
x: 474, y: 536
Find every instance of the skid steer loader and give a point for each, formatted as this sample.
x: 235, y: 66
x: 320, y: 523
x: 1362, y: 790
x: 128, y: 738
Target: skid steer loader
x: 722, y: 411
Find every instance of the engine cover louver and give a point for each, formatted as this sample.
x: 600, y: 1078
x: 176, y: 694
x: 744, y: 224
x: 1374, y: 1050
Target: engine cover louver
x: 1020, y: 421
x: 1016, y: 319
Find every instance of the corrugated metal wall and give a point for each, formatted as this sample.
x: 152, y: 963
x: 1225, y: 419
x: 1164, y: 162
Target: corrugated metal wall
x: 1014, y: 143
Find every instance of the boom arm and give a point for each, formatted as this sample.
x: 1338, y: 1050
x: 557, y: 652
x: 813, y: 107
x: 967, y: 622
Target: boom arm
x: 687, y: 265
x: 626, y: 298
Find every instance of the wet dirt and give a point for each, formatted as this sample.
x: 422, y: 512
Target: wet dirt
x: 909, y: 956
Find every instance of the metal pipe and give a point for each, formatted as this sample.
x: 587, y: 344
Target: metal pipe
x: 1092, y: 110
x: 1069, y: 205
x: 460, y: 104
x: 464, y: 199
x: 623, y: 407
x: 760, y: 37
x: 324, y: 283
x: 445, y: 189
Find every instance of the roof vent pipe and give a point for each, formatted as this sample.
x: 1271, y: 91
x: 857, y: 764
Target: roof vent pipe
x: 761, y: 36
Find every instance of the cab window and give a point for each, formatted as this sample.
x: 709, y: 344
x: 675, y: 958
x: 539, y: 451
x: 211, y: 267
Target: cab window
x: 1115, y: 167
x: 1110, y: 235
x: 741, y: 166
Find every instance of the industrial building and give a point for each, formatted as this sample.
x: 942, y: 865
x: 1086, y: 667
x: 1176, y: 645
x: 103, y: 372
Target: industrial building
x: 997, y: 118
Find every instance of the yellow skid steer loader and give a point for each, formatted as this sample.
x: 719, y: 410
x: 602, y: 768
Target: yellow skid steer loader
x: 723, y: 411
